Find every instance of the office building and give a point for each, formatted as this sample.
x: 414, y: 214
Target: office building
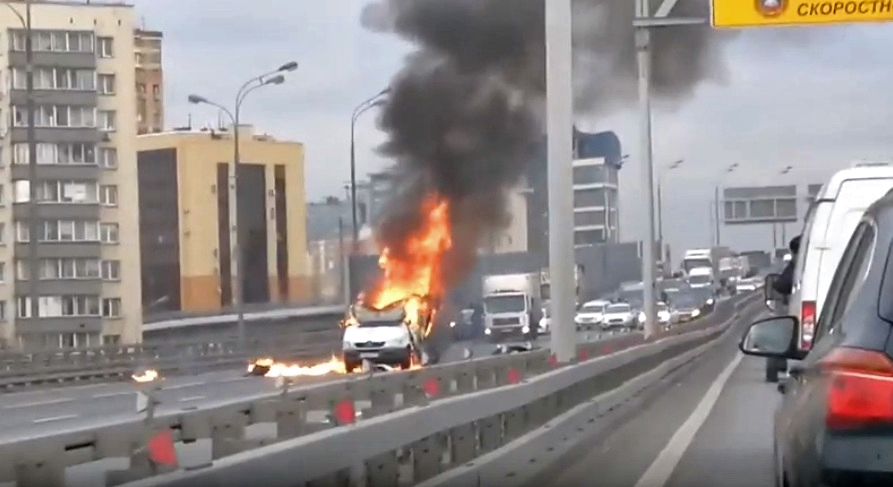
x: 184, y: 228
x: 598, y: 159
x: 87, y: 249
x: 149, y: 81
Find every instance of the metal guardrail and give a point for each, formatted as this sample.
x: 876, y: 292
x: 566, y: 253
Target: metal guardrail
x: 494, y: 398
x: 22, y: 370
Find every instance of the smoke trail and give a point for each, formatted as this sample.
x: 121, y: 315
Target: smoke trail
x: 466, y: 108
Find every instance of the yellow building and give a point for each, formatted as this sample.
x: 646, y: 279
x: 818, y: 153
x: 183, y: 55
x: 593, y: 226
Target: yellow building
x: 86, y: 250
x: 184, y: 219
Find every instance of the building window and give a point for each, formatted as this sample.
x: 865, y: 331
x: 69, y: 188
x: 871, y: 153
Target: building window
x: 106, y: 84
x: 106, y: 47
x: 589, y: 198
x: 589, y: 237
x: 59, y: 306
x: 141, y: 89
x: 61, y: 231
x: 107, y: 120
x: 57, y: 116
x: 55, y: 79
x: 156, y: 92
x: 111, y: 339
x: 2, y: 272
x: 60, y: 269
x: 2, y: 195
x: 108, y: 195
x: 111, y: 307
x: 62, y: 153
x: 111, y: 270
x: 589, y: 174
x: 109, y: 233
x: 54, y: 41
x: 2, y: 233
x: 590, y: 218
x: 3, y: 313
x: 108, y: 157
x: 79, y: 192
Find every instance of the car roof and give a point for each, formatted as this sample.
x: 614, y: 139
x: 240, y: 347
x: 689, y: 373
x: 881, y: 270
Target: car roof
x: 832, y: 187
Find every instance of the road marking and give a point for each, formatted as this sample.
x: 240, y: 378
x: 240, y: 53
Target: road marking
x: 55, y: 418
x: 191, y: 398
x: 658, y: 474
x: 113, y: 394
x: 183, y: 386
x: 38, y: 403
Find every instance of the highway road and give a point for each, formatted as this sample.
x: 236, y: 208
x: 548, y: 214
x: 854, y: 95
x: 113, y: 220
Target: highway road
x: 32, y: 412
x: 711, y: 425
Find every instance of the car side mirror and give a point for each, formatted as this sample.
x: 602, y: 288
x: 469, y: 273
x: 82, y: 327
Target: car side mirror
x: 771, y: 337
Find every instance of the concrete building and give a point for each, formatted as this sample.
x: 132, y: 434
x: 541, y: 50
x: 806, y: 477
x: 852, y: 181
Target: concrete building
x: 149, y: 81
x: 599, y: 159
x: 184, y: 219
x: 595, y: 201
x: 88, y: 249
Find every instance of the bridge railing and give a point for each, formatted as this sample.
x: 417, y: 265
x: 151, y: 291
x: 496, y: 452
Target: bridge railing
x: 439, y: 416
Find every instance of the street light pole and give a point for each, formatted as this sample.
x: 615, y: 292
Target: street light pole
x: 559, y: 141
x: 716, y: 205
x: 660, y: 204
x: 367, y: 104
x: 237, y: 257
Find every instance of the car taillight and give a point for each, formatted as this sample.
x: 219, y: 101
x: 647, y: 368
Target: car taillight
x: 860, y: 389
x: 807, y: 324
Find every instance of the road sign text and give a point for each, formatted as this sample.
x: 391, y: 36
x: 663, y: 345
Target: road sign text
x: 756, y: 13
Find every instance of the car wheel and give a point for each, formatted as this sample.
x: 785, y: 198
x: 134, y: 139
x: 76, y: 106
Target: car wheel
x: 771, y: 372
x: 406, y: 363
x: 349, y: 366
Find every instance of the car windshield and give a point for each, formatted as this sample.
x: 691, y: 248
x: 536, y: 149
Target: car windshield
x: 367, y: 317
x: 684, y: 301
x: 618, y: 308
x: 689, y: 264
x: 700, y: 279
x: 661, y: 306
x: 593, y: 308
x: 504, y: 304
x: 631, y: 295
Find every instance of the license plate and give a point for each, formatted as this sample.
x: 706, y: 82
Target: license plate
x: 369, y: 355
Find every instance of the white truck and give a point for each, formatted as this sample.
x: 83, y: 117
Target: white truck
x: 701, y: 277
x: 512, y: 305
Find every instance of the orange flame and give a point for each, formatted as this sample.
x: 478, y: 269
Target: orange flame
x: 413, y: 278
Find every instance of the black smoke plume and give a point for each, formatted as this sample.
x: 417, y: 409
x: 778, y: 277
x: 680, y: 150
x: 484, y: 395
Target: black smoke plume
x: 466, y: 109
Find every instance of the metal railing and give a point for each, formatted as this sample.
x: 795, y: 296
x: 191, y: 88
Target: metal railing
x: 469, y: 408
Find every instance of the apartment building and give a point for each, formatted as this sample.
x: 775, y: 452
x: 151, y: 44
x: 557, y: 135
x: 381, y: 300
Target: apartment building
x: 87, y: 246
x: 184, y: 229
x: 149, y: 81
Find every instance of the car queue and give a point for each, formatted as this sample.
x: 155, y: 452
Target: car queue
x: 833, y: 330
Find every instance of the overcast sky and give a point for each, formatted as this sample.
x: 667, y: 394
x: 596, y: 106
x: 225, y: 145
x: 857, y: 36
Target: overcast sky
x: 813, y: 100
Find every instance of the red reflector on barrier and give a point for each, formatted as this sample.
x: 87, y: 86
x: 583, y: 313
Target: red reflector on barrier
x: 161, y: 449
x: 431, y: 387
x: 606, y: 350
x: 553, y: 360
x: 583, y: 355
x: 514, y: 376
x: 345, y: 412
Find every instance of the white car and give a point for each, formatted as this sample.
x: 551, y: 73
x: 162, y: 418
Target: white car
x: 665, y: 315
x: 591, y: 314
x: 618, y: 315
x: 745, y: 285
x: 379, y: 337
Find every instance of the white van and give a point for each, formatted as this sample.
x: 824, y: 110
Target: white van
x: 829, y: 225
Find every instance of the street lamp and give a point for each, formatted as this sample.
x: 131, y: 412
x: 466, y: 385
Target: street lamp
x: 34, y: 223
x: 275, y: 77
x: 716, y: 203
x: 660, y: 204
x: 373, y: 102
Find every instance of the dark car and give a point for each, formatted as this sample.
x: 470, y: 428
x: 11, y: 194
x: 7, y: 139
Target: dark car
x: 835, y: 423
x: 687, y: 305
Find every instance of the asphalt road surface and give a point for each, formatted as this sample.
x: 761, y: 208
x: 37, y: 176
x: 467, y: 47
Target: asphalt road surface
x: 711, y: 426
x: 31, y: 413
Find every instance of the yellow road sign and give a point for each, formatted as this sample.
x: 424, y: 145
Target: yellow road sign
x: 759, y: 13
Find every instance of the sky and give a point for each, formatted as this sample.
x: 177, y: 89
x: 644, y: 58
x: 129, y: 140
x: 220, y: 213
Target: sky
x: 812, y: 98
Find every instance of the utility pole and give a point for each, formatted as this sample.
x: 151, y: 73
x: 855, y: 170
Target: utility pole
x: 34, y: 223
x: 644, y: 21
x: 560, y: 138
